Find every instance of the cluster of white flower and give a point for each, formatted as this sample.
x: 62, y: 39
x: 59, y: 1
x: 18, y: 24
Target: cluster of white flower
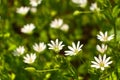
x: 83, y: 4
x: 24, y: 10
x: 30, y: 58
x: 58, y: 24
x: 54, y: 45
x: 35, y: 3
x: 102, y: 61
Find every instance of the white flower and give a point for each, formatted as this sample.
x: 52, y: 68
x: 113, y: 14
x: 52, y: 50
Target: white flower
x: 104, y: 37
x: 56, y: 23
x: 94, y: 7
x: 74, y: 49
x: 101, y: 48
x: 81, y: 3
x: 56, y: 46
x: 35, y: 3
x: 28, y: 28
x: 19, y: 51
x: 39, y: 47
x: 23, y: 10
x: 33, y: 9
x: 64, y: 27
x: 101, y: 62
x: 29, y: 58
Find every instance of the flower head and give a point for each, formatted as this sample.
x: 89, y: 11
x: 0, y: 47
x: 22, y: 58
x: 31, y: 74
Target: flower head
x: 74, y: 49
x: 94, y: 7
x: 104, y: 37
x: 33, y: 9
x: 101, y: 48
x: 64, y: 27
x: 29, y: 58
x: 35, y: 3
x: 101, y: 62
x: 28, y: 28
x: 57, y: 23
x: 81, y: 3
x: 39, y: 47
x: 19, y: 51
x: 23, y: 10
x: 56, y: 46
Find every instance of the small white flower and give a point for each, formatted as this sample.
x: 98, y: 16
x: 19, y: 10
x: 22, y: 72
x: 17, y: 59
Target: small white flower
x: 64, y: 27
x: 74, y: 49
x: 35, y: 3
x: 39, y: 47
x: 29, y: 58
x: 56, y: 46
x: 23, y: 10
x: 81, y: 3
x: 94, y: 7
x: 104, y: 37
x: 101, y: 48
x: 33, y: 9
x: 28, y: 28
x: 56, y: 23
x: 19, y: 51
x: 101, y: 62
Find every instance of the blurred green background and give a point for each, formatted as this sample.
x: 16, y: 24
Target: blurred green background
x: 82, y: 27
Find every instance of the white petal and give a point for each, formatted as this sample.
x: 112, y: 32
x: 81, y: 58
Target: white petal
x: 94, y: 62
x: 102, y: 68
x: 97, y: 59
x: 73, y: 44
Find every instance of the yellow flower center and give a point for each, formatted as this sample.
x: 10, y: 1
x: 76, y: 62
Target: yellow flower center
x: 101, y: 64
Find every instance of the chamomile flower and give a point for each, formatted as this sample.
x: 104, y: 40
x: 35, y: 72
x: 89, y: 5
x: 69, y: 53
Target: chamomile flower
x: 74, y: 49
x: 101, y: 62
x: 23, y: 10
x: 94, y: 7
x: 28, y: 28
x: 81, y: 3
x: 39, y: 47
x: 56, y: 23
x: 35, y: 3
x: 19, y: 51
x: 29, y: 58
x: 101, y: 48
x: 104, y: 37
x: 56, y: 46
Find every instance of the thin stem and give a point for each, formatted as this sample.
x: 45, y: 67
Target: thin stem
x: 89, y: 11
x: 72, y: 69
x: 47, y: 70
x: 115, y: 33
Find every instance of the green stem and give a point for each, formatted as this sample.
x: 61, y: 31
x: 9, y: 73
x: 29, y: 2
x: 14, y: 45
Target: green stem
x: 115, y: 33
x: 46, y: 70
x: 72, y: 70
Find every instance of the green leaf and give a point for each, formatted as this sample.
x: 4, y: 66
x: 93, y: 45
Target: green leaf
x: 114, y: 76
x: 117, y: 22
x: 116, y: 11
